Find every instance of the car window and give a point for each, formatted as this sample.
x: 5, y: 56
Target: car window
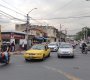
x: 38, y: 47
x: 65, y: 46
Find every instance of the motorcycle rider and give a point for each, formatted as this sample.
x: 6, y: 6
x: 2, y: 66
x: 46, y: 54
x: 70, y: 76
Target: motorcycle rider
x: 5, y: 51
x: 84, y: 45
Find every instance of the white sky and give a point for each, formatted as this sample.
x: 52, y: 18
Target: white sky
x: 50, y: 9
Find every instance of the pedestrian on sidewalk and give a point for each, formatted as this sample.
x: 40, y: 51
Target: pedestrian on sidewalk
x: 23, y: 46
x: 12, y: 46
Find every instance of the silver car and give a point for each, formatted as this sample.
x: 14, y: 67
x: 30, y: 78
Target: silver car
x: 65, y: 49
x: 53, y: 46
x: 88, y: 46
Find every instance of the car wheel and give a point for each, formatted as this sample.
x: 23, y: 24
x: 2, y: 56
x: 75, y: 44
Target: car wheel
x: 72, y: 56
x: 7, y: 62
x: 58, y: 56
x: 49, y: 55
x: 26, y: 60
x: 43, y: 57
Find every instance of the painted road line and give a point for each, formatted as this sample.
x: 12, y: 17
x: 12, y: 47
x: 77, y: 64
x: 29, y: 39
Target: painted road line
x: 67, y: 75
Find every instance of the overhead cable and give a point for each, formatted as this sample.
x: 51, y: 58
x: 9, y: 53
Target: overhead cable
x: 12, y: 16
x: 12, y: 10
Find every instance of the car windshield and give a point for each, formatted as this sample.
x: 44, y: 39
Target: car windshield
x: 38, y: 47
x: 65, y: 46
x: 52, y: 44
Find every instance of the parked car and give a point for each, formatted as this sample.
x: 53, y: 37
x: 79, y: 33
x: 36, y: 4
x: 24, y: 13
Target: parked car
x: 38, y: 51
x: 65, y: 49
x: 53, y: 46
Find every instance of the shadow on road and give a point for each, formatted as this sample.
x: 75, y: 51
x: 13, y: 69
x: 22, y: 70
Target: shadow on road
x: 38, y: 61
x: 4, y: 66
x: 63, y: 57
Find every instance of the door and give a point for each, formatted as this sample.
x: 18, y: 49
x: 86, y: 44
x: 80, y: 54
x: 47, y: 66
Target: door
x: 46, y: 50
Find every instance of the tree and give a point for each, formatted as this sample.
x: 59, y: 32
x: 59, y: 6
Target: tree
x: 80, y: 34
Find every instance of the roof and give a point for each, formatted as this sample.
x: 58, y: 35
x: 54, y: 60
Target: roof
x: 14, y: 32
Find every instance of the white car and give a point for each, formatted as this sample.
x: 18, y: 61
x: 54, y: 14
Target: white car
x: 65, y: 49
x: 80, y: 45
x: 53, y: 46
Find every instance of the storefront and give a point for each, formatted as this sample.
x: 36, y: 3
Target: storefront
x: 17, y: 37
x: 39, y: 39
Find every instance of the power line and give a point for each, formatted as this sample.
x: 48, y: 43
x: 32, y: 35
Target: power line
x: 15, y: 17
x: 16, y: 12
x: 11, y: 10
x: 62, y: 6
x: 64, y: 18
x: 66, y: 4
x: 12, y: 6
x: 75, y: 29
x: 36, y: 20
x: 12, y: 16
x: 5, y: 15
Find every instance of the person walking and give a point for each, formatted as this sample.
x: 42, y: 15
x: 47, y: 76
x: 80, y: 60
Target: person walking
x: 23, y: 45
x: 12, y: 46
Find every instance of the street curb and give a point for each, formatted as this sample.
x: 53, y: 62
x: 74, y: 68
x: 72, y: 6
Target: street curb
x: 17, y: 53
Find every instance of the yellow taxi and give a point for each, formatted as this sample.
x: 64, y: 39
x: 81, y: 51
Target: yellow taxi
x: 37, y: 51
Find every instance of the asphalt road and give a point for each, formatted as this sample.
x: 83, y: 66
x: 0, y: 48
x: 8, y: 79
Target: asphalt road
x: 52, y: 68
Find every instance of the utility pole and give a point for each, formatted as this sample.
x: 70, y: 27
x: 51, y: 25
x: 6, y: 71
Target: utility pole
x: 0, y: 37
x: 86, y: 33
x: 66, y: 34
x: 27, y: 26
x: 60, y: 32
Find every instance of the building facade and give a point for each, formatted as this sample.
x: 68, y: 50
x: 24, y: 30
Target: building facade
x: 39, y: 31
x: 10, y: 36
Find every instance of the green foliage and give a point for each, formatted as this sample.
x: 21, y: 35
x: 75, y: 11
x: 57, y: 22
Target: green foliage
x: 80, y: 35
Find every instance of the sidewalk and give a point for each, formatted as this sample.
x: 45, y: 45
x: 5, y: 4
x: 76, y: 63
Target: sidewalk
x: 17, y: 53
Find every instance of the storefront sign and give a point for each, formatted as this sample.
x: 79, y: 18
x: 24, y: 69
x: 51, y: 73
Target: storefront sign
x: 6, y: 36
x: 13, y: 36
x: 16, y: 36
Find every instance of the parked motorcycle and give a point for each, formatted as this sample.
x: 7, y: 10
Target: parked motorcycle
x: 3, y: 58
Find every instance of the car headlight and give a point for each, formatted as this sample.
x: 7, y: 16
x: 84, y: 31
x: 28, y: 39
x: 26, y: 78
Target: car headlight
x: 55, y: 48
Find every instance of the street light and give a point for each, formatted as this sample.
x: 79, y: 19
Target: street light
x: 31, y: 10
x: 28, y: 18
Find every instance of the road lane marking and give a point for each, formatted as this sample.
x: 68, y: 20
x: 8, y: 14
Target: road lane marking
x: 67, y: 75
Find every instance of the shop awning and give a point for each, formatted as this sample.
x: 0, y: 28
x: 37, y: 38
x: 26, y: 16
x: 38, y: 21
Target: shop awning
x: 40, y: 38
